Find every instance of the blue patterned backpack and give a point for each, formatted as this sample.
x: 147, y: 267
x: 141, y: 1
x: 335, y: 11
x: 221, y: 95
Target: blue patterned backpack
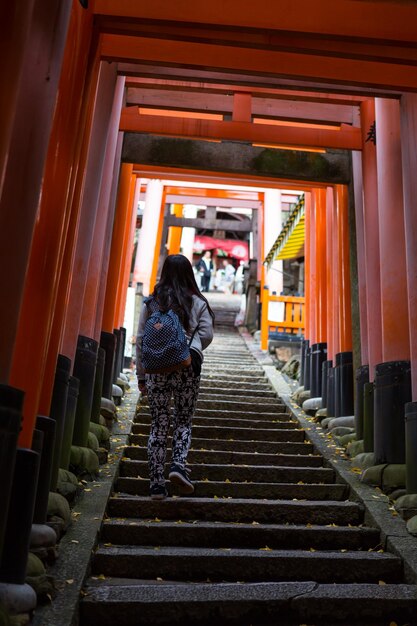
x: 164, y: 343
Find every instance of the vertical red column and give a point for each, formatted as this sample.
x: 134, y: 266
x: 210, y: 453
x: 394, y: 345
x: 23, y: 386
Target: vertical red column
x: 48, y: 243
x: 409, y: 156
x: 371, y: 236
x: 158, y: 242
x: 91, y: 182
x: 121, y: 218
x: 126, y: 260
x: 105, y: 213
x: 321, y: 263
x: 313, y: 269
x: 395, y: 325
x: 24, y: 150
x: 331, y: 278
x: 360, y: 255
x: 307, y: 261
x: 343, y: 269
x: 107, y: 238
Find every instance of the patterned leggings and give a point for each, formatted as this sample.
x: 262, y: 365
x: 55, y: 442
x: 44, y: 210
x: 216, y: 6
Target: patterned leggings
x: 183, y: 386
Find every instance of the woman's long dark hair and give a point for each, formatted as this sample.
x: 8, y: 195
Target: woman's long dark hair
x: 176, y: 288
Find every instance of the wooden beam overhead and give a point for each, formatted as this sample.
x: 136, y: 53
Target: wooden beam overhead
x: 157, y: 71
x: 215, y: 194
x: 263, y: 107
x: 396, y: 21
x: 381, y: 51
x: 346, y: 137
x: 193, y: 86
x: 244, y: 226
x: 204, y: 201
x: 222, y: 178
x: 262, y: 62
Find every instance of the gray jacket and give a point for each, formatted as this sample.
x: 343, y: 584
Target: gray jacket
x: 199, y: 317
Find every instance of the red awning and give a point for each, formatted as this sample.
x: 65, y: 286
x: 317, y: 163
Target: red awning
x: 232, y: 247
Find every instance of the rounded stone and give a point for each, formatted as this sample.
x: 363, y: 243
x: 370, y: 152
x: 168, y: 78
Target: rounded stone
x: 42, y: 536
x: 17, y: 598
x: 347, y: 420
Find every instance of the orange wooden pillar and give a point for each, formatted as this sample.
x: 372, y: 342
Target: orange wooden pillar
x: 392, y: 377
x: 332, y: 324
x: 157, y: 248
x: 320, y: 244
x: 126, y: 260
x: 264, y: 289
x: 343, y: 269
x: 77, y: 166
x: 106, y: 253
x: 48, y: 244
x: 395, y: 321
x: 360, y: 255
x: 313, y: 269
x: 307, y: 264
x: 175, y: 232
x: 371, y: 239
x: 91, y: 181
x: 36, y: 56
x: 409, y: 161
x: 105, y: 214
x: 122, y: 217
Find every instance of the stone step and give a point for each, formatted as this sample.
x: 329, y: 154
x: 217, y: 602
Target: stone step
x: 227, y: 457
x: 224, y: 432
x: 183, y: 563
x: 219, y: 535
x: 238, y: 510
x: 234, y: 422
x: 241, y: 473
x: 265, y: 394
x: 229, y: 414
x: 235, y: 385
x: 241, y: 406
x: 252, y: 400
x: 271, y: 491
x: 229, y: 378
x: 204, y: 604
x: 263, y: 447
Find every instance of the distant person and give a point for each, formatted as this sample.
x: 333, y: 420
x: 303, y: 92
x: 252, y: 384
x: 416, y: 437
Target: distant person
x: 229, y: 276
x: 205, y: 267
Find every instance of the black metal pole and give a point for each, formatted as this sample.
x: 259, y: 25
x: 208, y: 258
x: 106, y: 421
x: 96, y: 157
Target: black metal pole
x: 11, y: 403
x: 47, y: 426
x: 362, y: 377
x: 73, y: 389
x: 411, y: 446
x: 331, y: 405
x: 392, y: 392
x: 85, y: 371
x: 325, y: 383
x: 108, y: 343
x: 344, y: 384
x: 57, y: 411
x: 19, y: 521
x: 116, y: 369
x: 98, y: 386
x: 368, y: 417
x: 307, y: 371
x: 318, y: 356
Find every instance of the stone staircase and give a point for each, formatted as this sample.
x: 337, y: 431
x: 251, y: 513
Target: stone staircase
x: 269, y: 537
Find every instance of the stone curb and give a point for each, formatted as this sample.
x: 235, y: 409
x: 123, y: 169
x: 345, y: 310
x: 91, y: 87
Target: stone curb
x: 379, y: 512
x: 75, y: 548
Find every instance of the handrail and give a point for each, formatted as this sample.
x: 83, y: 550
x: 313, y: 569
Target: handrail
x: 293, y: 317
